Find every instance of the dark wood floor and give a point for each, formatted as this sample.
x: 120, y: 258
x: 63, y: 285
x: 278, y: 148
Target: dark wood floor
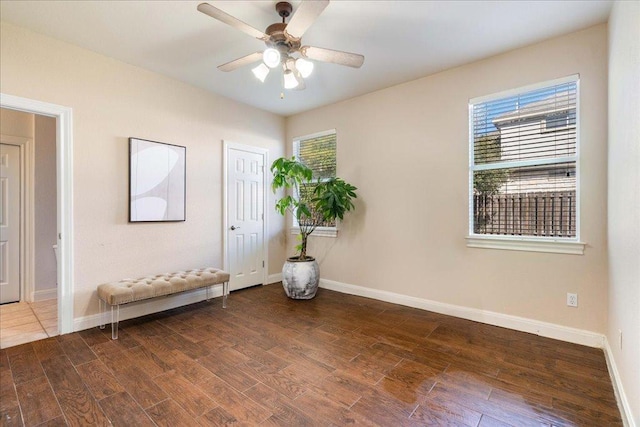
x: 334, y: 360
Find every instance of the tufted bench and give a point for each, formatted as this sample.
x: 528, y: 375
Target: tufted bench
x: 131, y: 290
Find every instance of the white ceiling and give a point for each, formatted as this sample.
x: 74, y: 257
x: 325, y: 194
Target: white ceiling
x: 401, y: 40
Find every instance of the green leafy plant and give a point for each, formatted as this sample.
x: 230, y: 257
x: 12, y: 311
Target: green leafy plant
x: 487, y: 183
x: 488, y: 150
x: 312, y: 202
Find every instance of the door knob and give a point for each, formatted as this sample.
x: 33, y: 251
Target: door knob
x: 233, y: 227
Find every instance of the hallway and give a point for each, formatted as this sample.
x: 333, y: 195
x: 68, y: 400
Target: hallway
x: 24, y: 322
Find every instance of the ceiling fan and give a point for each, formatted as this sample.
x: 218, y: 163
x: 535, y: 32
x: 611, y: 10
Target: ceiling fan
x: 284, y: 43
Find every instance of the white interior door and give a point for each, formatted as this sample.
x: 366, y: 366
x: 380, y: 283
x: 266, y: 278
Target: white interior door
x: 245, y: 217
x: 9, y: 223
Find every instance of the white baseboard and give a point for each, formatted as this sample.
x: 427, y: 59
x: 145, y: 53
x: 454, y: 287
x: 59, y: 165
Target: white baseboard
x: 274, y: 278
x: 142, y: 308
x: 45, y: 294
x: 549, y: 330
x: 621, y: 397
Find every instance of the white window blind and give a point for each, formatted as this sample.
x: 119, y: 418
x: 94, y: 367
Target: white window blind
x: 523, y: 163
x: 318, y: 153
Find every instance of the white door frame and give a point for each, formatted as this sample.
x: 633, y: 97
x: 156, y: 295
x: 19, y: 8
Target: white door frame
x: 226, y: 146
x: 27, y: 235
x: 64, y: 180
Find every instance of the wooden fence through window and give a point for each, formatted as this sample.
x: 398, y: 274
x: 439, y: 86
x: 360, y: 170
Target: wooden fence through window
x: 548, y: 214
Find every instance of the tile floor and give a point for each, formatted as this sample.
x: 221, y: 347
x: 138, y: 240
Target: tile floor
x: 24, y: 322
x: 335, y: 360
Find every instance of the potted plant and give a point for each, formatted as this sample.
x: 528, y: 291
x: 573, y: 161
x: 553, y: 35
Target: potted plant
x: 313, y: 203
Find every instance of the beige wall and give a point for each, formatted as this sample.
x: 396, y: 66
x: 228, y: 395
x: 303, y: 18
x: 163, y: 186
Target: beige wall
x: 406, y: 149
x: 16, y: 123
x: 624, y: 197
x: 45, y: 198
x: 111, y: 102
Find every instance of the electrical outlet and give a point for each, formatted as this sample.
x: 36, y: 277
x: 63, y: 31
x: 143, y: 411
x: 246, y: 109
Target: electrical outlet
x: 572, y: 299
x: 620, y: 338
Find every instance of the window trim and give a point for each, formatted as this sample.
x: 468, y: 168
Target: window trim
x: 533, y: 244
x: 297, y: 139
x: 564, y: 245
x: 319, y: 231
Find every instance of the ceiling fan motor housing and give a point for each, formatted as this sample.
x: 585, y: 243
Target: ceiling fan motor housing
x: 279, y: 40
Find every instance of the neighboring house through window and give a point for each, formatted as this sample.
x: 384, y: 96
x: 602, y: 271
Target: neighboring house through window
x: 318, y: 152
x: 523, y: 169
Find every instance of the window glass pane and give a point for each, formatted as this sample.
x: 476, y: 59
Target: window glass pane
x: 487, y: 148
x: 319, y: 154
x: 533, y: 125
x: 524, y: 164
x: 526, y: 201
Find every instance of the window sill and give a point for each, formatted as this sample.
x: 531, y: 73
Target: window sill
x: 524, y: 244
x: 319, y: 232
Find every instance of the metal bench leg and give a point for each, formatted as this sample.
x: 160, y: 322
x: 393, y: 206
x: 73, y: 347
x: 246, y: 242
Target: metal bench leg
x: 115, y: 316
x: 208, y: 296
x: 102, y: 312
x: 225, y: 293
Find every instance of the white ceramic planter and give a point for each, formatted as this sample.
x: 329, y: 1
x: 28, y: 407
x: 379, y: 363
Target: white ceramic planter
x: 300, y: 279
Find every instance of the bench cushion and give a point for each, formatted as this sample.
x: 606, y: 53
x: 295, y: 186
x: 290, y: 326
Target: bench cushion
x: 130, y: 290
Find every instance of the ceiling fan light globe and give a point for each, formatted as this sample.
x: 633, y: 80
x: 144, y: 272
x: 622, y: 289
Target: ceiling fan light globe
x: 290, y: 81
x: 304, y: 67
x: 271, y: 57
x: 261, y: 72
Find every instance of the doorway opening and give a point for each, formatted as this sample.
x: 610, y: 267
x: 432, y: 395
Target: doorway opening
x: 44, y: 270
x: 28, y: 227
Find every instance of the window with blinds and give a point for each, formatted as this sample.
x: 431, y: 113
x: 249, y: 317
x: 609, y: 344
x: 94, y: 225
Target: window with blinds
x: 318, y: 153
x: 523, y: 162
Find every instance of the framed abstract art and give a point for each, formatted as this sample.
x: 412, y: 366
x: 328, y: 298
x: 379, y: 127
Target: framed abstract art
x: 157, y: 181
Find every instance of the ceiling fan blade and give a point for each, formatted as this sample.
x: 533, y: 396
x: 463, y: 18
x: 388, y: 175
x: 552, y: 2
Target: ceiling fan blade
x: 307, y: 13
x: 218, y: 14
x: 335, y: 56
x: 240, y: 62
